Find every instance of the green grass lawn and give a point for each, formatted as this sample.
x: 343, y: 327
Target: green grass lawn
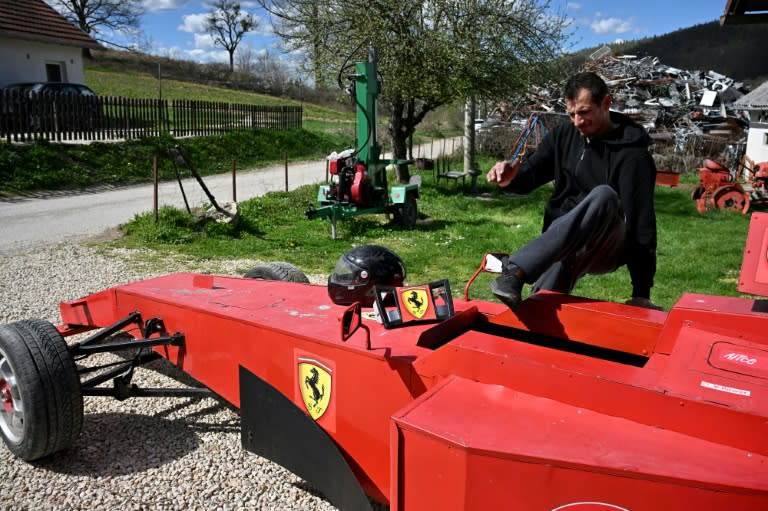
x: 696, y: 253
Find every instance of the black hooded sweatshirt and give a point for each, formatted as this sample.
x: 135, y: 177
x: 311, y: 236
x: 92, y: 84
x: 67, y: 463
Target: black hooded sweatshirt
x: 621, y: 159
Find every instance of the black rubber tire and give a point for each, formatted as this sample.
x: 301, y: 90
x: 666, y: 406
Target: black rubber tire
x: 697, y: 192
x: 277, y: 271
x: 407, y: 213
x: 39, y: 382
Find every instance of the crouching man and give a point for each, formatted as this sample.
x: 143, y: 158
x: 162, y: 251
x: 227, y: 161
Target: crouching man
x: 601, y: 213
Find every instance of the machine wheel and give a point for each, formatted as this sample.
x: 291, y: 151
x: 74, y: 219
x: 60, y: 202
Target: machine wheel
x: 41, y: 401
x: 277, y: 271
x: 732, y: 198
x: 407, y: 213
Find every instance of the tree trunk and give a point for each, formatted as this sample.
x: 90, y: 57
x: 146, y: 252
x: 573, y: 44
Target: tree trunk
x: 400, y: 130
x: 469, y: 135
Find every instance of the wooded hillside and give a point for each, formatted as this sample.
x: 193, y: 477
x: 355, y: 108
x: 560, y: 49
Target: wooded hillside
x: 737, y: 51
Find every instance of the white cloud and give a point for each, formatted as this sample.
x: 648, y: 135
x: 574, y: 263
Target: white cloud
x: 204, y: 42
x: 222, y: 57
x: 198, y: 24
x: 194, y: 23
x: 196, y: 55
x: 573, y: 6
x: 263, y: 25
x: 264, y: 28
x: 204, y: 56
x: 163, y: 5
x: 611, y: 26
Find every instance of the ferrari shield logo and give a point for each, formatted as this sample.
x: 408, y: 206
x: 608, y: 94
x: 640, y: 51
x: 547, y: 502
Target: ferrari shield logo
x: 315, y: 382
x: 416, y: 301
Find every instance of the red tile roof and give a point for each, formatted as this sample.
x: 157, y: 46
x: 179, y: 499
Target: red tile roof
x: 34, y: 20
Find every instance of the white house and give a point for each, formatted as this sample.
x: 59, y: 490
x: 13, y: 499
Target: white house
x: 756, y: 103
x: 37, y: 44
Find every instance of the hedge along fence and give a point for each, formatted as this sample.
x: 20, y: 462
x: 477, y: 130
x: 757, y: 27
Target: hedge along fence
x: 63, y: 117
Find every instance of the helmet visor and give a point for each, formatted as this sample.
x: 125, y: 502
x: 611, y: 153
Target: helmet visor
x: 347, y: 273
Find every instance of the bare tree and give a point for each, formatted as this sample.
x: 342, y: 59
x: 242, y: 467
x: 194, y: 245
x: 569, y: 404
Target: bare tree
x: 227, y: 24
x: 246, y: 59
x: 272, y: 71
x: 94, y: 17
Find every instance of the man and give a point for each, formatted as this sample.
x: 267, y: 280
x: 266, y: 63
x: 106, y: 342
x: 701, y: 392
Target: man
x: 601, y: 214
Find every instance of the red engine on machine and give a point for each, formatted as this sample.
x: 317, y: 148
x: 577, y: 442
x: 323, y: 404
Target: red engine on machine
x: 353, y: 185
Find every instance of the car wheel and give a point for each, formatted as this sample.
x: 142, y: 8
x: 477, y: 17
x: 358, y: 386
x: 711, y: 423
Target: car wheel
x: 41, y: 402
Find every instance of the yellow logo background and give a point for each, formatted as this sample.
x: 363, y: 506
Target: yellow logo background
x: 315, y: 383
x: 416, y: 302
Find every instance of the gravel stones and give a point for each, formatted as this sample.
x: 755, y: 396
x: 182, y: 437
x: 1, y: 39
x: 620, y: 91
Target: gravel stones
x: 142, y: 453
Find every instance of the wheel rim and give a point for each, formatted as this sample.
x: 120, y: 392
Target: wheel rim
x: 11, y: 405
x: 732, y: 199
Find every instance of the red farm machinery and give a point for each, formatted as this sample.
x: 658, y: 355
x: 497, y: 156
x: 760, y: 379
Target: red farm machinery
x: 458, y: 404
x: 731, y: 189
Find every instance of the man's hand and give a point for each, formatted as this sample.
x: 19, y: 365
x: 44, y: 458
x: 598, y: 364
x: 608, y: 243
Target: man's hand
x: 503, y: 173
x: 643, y: 302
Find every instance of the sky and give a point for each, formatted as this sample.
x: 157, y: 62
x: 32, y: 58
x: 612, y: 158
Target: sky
x: 175, y: 28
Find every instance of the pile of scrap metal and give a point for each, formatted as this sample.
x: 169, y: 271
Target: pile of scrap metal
x: 675, y: 105
x: 672, y: 104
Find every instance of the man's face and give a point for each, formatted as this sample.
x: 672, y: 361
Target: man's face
x: 591, y: 119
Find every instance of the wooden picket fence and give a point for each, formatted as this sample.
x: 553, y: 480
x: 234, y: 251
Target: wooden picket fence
x: 67, y: 117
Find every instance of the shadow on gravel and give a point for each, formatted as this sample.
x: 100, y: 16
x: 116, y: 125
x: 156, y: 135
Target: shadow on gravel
x: 114, y: 444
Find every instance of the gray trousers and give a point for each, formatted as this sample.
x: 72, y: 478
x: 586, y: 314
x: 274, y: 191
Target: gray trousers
x: 588, y: 239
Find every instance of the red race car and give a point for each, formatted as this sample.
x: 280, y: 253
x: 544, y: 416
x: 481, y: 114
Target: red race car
x: 426, y: 401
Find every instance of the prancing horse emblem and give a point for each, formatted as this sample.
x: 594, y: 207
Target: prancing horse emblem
x: 416, y: 302
x: 315, y: 383
x: 311, y: 382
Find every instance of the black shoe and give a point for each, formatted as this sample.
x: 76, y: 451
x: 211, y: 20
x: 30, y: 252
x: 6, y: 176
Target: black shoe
x: 509, y: 286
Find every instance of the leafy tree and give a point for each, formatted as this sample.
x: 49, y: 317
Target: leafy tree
x: 431, y: 52
x: 97, y: 16
x: 227, y: 24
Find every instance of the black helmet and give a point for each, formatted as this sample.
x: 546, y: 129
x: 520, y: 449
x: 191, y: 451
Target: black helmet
x: 360, y: 269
